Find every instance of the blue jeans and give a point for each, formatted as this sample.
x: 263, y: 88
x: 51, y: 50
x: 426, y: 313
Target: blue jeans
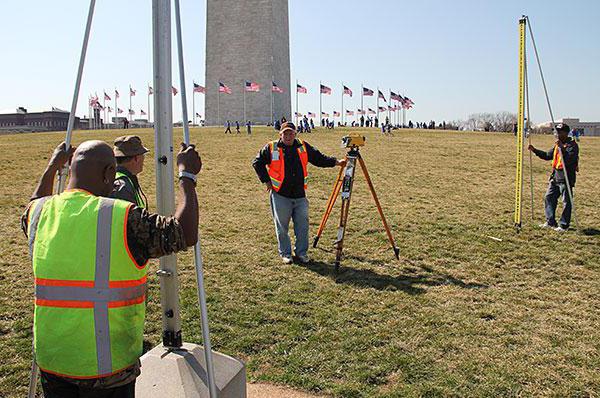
x: 555, y: 190
x: 283, y: 210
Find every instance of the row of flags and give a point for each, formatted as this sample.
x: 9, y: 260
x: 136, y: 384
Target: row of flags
x: 249, y: 86
x: 406, y: 102
x: 359, y: 111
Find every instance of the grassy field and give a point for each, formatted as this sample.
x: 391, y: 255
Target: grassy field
x: 460, y: 314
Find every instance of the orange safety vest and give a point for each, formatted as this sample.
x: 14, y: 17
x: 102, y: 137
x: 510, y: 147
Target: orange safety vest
x: 277, y: 167
x: 556, y: 159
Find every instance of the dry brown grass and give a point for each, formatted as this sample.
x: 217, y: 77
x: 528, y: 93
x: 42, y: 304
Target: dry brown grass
x: 459, y: 314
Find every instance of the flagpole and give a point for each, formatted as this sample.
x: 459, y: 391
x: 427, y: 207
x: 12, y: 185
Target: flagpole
x: 116, y: 109
x: 272, y: 115
x: 342, y: 110
x: 244, y: 88
x: 104, y: 105
x: 219, y: 106
x: 362, y: 106
x: 389, y: 112
x: 194, y: 104
x: 148, y: 93
x: 296, y: 102
x: 320, y: 103
x: 129, y: 110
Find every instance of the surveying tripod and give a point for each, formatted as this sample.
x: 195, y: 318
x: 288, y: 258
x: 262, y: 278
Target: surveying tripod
x: 344, y: 183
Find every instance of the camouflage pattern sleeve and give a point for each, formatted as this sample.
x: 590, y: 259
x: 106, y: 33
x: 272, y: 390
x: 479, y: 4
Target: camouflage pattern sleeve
x: 25, y: 219
x: 152, y: 235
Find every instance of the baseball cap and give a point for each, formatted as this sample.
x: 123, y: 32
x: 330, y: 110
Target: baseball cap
x: 562, y: 127
x: 287, y: 126
x: 129, y: 145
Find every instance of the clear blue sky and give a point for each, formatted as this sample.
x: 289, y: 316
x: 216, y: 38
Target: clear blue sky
x: 452, y: 58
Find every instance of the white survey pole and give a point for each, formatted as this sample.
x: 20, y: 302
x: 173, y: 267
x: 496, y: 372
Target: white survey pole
x: 62, y: 176
x: 212, y: 388
x: 163, y: 140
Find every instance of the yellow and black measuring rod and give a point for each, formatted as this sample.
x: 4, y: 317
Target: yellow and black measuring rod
x: 520, y: 126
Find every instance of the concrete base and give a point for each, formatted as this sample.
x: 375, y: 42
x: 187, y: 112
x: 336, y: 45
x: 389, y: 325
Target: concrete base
x: 182, y: 373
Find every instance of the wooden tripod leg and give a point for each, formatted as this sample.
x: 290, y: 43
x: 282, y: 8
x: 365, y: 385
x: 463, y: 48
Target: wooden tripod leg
x: 330, y: 203
x: 341, y: 232
x: 385, y: 224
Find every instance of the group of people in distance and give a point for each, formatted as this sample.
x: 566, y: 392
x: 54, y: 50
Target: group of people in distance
x: 227, y: 126
x: 90, y: 246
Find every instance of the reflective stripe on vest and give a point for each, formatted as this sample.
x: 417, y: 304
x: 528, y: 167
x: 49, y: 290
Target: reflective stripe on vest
x: 277, y: 167
x: 138, y: 197
x: 556, y: 159
x: 89, y: 313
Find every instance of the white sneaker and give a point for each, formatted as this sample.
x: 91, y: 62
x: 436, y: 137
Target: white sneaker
x: 303, y: 259
x: 286, y: 259
x: 546, y: 225
x: 561, y: 229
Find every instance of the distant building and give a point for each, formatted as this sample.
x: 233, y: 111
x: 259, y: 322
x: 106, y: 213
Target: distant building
x: 584, y: 128
x: 22, y: 120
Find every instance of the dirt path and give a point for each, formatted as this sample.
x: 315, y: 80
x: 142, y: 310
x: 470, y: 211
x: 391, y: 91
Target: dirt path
x: 262, y: 390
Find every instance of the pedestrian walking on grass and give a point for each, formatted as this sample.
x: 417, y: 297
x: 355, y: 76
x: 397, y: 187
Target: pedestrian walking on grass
x: 237, y: 126
x: 282, y: 166
x: 227, y: 127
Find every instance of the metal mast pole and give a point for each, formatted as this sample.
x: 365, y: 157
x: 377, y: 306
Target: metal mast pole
x: 320, y: 103
x: 129, y: 110
x: 296, y: 102
x: 62, y: 176
x: 537, y: 57
x: 342, y: 110
x: 117, y: 109
x: 197, y: 253
x: 148, y: 102
x: 194, y: 107
x: 163, y: 139
x: 244, y: 89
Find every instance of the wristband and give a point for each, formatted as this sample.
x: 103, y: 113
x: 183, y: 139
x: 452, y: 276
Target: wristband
x: 185, y: 174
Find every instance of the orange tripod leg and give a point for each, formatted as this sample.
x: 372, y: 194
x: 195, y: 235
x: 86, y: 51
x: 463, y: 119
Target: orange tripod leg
x: 330, y: 203
x: 385, y: 224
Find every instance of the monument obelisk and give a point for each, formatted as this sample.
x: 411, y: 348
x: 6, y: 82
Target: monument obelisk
x: 247, y: 41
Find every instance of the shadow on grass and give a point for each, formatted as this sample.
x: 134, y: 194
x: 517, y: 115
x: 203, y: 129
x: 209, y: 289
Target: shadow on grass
x: 414, y: 283
x: 591, y: 231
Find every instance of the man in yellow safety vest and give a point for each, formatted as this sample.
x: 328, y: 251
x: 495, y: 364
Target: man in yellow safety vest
x: 89, y: 256
x: 129, y: 152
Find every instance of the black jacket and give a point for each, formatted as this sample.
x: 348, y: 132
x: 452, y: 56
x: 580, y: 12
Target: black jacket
x: 293, y: 183
x: 570, y: 162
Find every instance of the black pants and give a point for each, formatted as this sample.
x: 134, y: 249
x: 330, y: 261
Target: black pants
x: 58, y: 387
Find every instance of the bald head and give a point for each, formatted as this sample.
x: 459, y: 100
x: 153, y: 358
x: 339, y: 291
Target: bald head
x: 93, y: 168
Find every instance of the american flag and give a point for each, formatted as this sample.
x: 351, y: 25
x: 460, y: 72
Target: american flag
x: 324, y: 114
x: 349, y: 113
x: 298, y: 114
x: 347, y: 91
x: 94, y: 101
x: 98, y: 106
x: 325, y: 90
x: 395, y: 96
x: 142, y: 112
x: 106, y: 97
x: 116, y: 94
x: 198, y: 115
x: 382, y: 109
x: 109, y: 109
x: 150, y: 91
x: 380, y: 95
x: 275, y: 88
x: 371, y: 111
x: 223, y: 88
x: 336, y: 114
x: 360, y: 112
x: 410, y: 102
x: 310, y: 114
x: 252, y: 87
x: 131, y: 92
x: 174, y: 90
x: 367, y: 92
x: 198, y: 88
x: 301, y: 89
x: 131, y: 112
x: 119, y: 110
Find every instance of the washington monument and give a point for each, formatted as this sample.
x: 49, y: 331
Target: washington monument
x: 247, y: 41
